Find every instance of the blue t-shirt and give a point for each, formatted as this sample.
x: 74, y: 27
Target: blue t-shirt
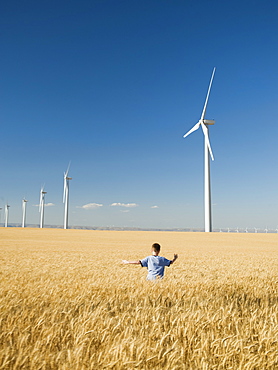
x: 155, y: 266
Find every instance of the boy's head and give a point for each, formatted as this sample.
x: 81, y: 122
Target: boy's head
x: 155, y: 248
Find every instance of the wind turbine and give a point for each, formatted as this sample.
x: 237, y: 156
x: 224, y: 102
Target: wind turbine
x: 6, y: 214
x: 66, y: 197
x: 24, y: 203
x: 204, y: 123
x: 41, y: 206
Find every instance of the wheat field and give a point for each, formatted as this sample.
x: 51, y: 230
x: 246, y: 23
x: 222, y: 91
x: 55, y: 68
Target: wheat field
x: 67, y: 302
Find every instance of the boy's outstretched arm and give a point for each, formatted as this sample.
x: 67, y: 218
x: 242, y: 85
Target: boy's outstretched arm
x: 131, y: 262
x: 174, y: 259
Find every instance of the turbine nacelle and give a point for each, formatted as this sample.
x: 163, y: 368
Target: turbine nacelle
x: 209, y: 122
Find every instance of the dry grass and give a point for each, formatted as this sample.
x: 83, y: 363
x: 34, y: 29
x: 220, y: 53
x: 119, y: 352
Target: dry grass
x: 67, y: 302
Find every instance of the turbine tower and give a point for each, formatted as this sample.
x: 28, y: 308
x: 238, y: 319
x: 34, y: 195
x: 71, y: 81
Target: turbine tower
x: 6, y: 214
x: 24, y: 203
x: 204, y: 123
x: 41, y: 206
x: 66, y: 197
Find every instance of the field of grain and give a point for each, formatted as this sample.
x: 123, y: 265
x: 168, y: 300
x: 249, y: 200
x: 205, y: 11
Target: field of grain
x: 67, y: 302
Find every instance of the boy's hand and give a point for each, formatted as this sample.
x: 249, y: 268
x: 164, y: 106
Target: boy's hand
x: 174, y: 259
x: 125, y: 262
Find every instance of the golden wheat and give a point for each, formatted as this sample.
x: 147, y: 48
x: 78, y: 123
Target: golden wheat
x: 67, y: 302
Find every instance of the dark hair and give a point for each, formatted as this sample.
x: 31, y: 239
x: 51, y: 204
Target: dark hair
x: 156, y: 247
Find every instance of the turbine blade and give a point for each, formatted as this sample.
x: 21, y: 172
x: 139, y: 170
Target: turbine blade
x: 65, y: 182
x: 66, y: 174
x: 206, y: 101
x: 194, y: 128
x: 65, y: 187
x: 205, y: 131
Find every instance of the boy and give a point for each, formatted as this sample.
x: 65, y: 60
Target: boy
x: 154, y: 263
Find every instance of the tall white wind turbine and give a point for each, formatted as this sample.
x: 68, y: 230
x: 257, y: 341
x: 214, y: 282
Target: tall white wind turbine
x: 66, y: 197
x: 6, y: 214
x: 24, y: 204
x: 41, y: 206
x: 204, y: 123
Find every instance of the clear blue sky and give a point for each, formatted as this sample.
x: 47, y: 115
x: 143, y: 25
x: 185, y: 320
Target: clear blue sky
x: 113, y: 85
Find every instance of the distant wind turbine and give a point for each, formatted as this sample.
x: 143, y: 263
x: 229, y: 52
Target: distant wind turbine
x: 6, y: 214
x: 66, y: 197
x: 204, y: 123
x: 41, y: 206
x: 24, y: 203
